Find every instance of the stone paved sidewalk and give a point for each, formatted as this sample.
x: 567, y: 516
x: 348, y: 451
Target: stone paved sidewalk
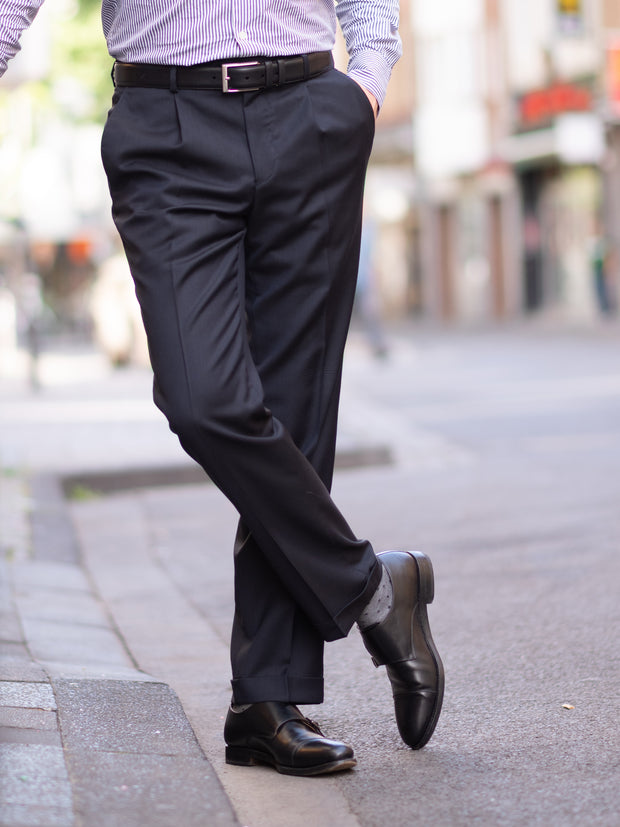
x: 85, y: 736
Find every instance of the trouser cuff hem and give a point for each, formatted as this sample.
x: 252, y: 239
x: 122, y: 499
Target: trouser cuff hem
x: 285, y: 689
x: 350, y: 613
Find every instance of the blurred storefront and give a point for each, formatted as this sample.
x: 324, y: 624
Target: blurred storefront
x: 517, y: 156
x: 556, y: 152
x: 465, y: 191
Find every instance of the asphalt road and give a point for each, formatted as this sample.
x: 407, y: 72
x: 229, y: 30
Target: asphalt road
x: 505, y: 469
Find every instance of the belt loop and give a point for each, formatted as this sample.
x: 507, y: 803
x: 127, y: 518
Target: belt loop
x: 270, y: 66
x: 173, y: 80
x: 306, y: 60
x: 281, y: 71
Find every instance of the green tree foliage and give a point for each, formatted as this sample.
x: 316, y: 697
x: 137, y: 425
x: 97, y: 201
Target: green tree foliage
x: 79, y: 52
x: 78, y: 87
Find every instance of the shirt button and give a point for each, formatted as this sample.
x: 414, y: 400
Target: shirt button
x: 243, y: 35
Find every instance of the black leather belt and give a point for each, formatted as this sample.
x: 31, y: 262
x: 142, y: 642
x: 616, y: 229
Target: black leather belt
x: 247, y: 75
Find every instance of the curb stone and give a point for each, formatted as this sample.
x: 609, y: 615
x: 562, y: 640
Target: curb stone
x: 85, y: 737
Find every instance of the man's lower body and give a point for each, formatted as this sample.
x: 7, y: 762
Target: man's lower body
x: 240, y: 215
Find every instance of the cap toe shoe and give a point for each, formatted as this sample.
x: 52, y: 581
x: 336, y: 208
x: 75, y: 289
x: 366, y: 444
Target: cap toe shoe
x: 403, y: 643
x: 279, y: 735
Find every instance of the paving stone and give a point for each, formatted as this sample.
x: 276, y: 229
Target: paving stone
x: 6, y: 594
x: 14, y: 527
x: 13, y: 650
x: 98, y: 672
x: 34, y: 775
x: 28, y: 718
x: 118, y: 790
x: 29, y: 695
x: 19, y: 669
x: 21, y: 735
x: 20, y: 815
x: 63, y: 576
x: 52, y: 534
x: 123, y: 716
x: 60, y: 606
x: 70, y: 643
x: 10, y: 628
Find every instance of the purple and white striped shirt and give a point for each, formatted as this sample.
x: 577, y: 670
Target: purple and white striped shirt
x: 186, y: 32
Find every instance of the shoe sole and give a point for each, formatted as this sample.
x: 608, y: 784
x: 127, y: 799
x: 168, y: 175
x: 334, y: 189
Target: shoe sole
x: 242, y: 757
x: 426, y: 595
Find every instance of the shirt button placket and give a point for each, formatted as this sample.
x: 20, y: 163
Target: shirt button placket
x: 242, y: 33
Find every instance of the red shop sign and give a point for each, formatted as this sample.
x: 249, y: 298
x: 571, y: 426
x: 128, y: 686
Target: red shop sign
x: 543, y: 105
x: 612, y: 75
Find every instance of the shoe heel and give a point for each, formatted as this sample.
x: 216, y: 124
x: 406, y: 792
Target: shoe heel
x: 427, y: 578
x: 239, y: 756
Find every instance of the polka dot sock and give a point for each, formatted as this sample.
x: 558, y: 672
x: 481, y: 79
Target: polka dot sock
x: 379, y: 605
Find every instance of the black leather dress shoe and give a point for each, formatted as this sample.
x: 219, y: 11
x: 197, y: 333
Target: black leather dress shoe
x: 404, y: 644
x: 278, y: 734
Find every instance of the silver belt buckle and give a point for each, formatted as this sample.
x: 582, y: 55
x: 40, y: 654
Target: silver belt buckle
x: 226, y: 79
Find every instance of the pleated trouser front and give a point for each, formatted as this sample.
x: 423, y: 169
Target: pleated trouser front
x: 240, y: 215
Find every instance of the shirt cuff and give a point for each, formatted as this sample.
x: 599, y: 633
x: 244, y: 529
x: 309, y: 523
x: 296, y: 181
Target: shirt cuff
x: 372, y: 71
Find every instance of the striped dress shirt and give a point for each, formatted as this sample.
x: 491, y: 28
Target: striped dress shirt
x: 186, y: 32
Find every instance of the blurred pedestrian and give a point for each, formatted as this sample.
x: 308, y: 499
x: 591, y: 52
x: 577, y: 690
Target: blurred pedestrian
x: 31, y: 308
x: 117, y: 323
x: 601, y: 259
x: 367, y: 299
x: 236, y: 157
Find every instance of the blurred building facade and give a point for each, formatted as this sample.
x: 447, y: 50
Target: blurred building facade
x: 512, y: 108
x: 494, y: 180
x: 55, y: 225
